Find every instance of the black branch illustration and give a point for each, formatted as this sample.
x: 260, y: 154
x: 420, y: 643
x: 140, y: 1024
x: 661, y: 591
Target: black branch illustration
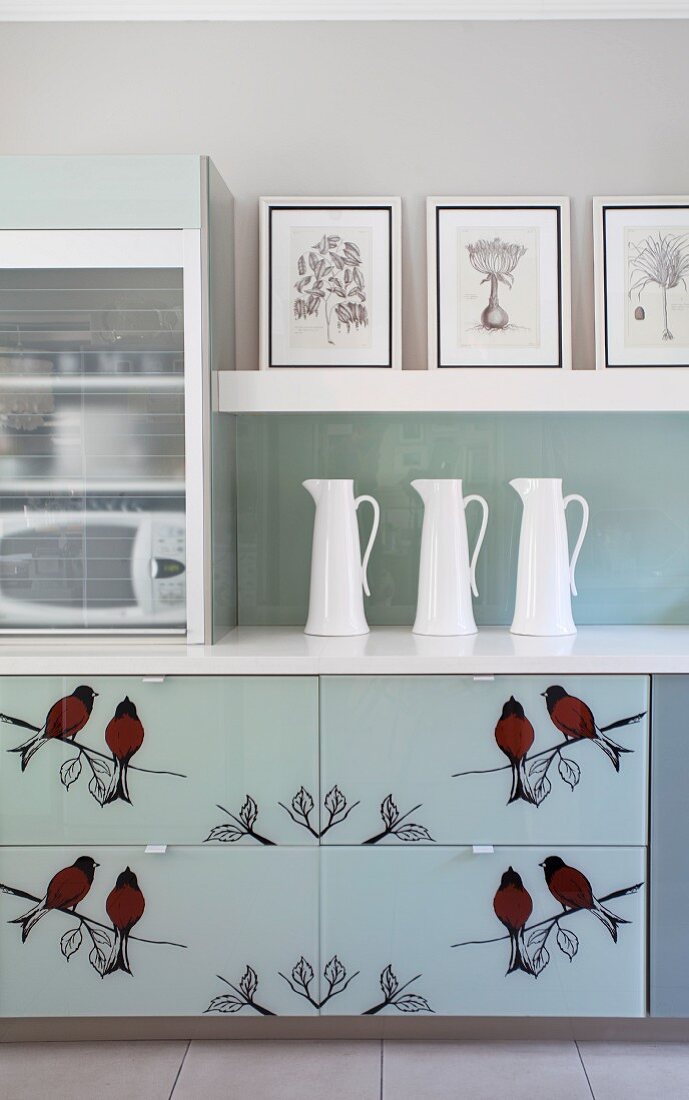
x: 243, y: 996
x: 240, y: 825
x: 394, y: 823
x: 303, y: 976
x: 536, y: 935
x: 536, y: 784
x: 395, y: 997
x: 335, y: 805
x: 102, y: 937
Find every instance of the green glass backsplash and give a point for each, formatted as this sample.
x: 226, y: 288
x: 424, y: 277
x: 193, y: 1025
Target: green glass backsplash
x: 632, y: 468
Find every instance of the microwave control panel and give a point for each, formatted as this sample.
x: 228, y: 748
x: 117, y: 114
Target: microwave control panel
x: 168, y: 565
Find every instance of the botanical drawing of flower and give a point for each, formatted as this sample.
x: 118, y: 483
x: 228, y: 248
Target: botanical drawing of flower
x: 664, y: 261
x: 496, y: 260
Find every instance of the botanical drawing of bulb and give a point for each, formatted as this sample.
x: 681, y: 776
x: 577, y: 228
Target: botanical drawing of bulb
x: 496, y: 260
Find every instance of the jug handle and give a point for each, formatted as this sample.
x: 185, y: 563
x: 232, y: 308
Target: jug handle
x: 580, y: 539
x: 479, y: 540
x: 371, y: 539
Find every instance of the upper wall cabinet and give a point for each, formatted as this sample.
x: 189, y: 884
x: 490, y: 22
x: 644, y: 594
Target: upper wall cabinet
x: 106, y: 321
x: 455, y: 760
x: 188, y: 760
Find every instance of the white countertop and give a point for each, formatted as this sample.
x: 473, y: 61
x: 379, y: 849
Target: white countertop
x: 255, y: 651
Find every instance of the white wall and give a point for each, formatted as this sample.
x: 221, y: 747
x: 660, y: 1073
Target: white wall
x: 368, y: 108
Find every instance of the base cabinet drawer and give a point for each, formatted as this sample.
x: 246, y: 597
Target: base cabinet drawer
x: 152, y: 762
x: 416, y: 932
x: 426, y: 758
x: 247, y: 915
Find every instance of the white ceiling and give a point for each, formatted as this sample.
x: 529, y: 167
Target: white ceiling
x: 88, y: 10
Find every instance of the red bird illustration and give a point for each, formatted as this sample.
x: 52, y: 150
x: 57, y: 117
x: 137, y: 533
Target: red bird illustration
x: 65, y: 890
x: 515, y: 736
x: 125, y: 905
x: 513, y: 907
x: 575, y: 719
x: 124, y: 735
x: 573, y: 891
x: 64, y: 720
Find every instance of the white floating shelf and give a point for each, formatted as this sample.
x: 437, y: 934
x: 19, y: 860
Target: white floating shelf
x: 471, y: 390
x: 390, y: 651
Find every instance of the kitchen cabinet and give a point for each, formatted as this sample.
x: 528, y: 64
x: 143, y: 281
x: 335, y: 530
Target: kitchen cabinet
x: 208, y: 912
x: 416, y: 759
x: 246, y: 744
x: 418, y: 930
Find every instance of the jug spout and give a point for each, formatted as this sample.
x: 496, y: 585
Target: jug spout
x: 522, y: 485
x: 313, y: 487
x: 422, y: 486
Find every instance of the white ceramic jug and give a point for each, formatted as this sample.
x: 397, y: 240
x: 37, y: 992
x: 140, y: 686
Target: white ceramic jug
x: 545, y: 574
x: 446, y: 576
x: 338, y: 575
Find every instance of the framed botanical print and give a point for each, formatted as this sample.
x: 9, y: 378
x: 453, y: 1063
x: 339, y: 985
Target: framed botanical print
x: 642, y: 281
x: 330, y: 282
x: 498, y: 282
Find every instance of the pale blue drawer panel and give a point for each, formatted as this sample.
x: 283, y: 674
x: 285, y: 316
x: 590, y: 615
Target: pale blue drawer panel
x: 231, y: 911
x: 245, y: 744
x: 391, y: 917
x: 408, y: 758
x: 111, y: 192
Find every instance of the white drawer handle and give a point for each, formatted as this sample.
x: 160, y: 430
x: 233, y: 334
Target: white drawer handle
x: 483, y: 849
x: 153, y: 679
x: 155, y: 849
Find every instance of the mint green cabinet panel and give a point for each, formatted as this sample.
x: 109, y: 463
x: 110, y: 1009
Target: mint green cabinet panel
x: 414, y: 759
x: 232, y: 910
x: 111, y: 192
x: 392, y: 916
x: 245, y: 744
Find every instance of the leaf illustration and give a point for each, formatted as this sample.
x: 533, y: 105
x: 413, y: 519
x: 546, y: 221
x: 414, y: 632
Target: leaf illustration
x: 249, y: 983
x: 313, y: 261
x: 101, y: 950
x: 570, y: 771
x: 412, y: 832
x: 303, y: 283
x: 337, y: 260
x: 98, y: 789
x: 334, y: 971
x: 225, y: 833
x: 225, y: 1003
x: 389, y: 982
x: 302, y: 803
x: 101, y: 767
x: 322, y: 245
x: 567, y: 942
x: 541, y: 789
x: 302, y: 972
x: 301, y: 265
x: 538, y: 766
x: 334, y: 801
x: 389, y: 811
x: 354, y: 248
x: 536, y: 947
x: 358, y: 278
x: 539, y: 960
x: 70, y: 771
x: 71, y: 941
x: 249, y: 812
x: 347, y: 275
x: 412, y: 1002
x: 333, y: 242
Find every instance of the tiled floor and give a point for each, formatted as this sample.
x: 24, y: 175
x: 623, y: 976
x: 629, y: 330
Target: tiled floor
x: 314, y: 1070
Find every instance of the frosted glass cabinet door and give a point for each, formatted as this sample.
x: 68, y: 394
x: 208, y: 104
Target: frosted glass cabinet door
x: 246, y: 744
x: 216, y: 911
x: 415, y: 759
x: 391, y: 917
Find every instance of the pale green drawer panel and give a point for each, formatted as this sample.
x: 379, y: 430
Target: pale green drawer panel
x: 244, y: 743
x: 230, y: 910
x: 391, y: 748
x: 390, y: 918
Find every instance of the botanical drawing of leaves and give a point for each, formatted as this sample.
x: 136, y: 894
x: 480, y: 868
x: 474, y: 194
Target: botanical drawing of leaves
x: 302, y: 972
x: 226, y: 1003
x: 334, y: 971
x: 570, y: 771
x: 412, y: 832
x: 567, y: 942
x: 101, y: 950
x: 322, y: 245
x: 538, y: 766
x: 337, y: 260
x: 536, y: 947
x: 540, y: 959
x: 71, y: 941
x: 389, y: 982
x: 541, y: 789
x: 389, y: 811
x: 302, y: 803
x: 225, y: 834
x: 412, y: 1002
x: 313, y: 261
x: 70, y: 771
x: 249, y: 982
x: 358, y: 278
x: 101, y: 767
x: 301, y: 266
x: 97, y: 789
x: 333, y: 241
x: 249, y: 812
x: 303, y: 283
x: 334, y: 801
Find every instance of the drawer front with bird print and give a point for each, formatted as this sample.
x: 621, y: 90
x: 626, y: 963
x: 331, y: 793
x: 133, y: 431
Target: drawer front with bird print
x: 110, y: 931
x: 533, y: 931
x: 510, y: 760
x: 189, y: 760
